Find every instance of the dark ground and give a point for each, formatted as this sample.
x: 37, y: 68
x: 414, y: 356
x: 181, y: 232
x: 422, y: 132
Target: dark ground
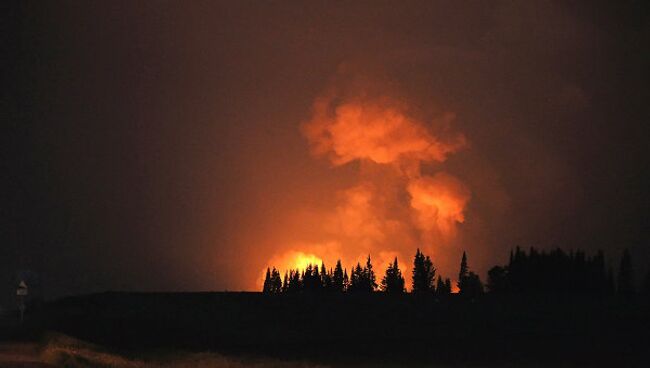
x: 565, y: 330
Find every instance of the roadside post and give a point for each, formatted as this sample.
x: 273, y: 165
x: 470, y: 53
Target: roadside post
x: 21, y: 295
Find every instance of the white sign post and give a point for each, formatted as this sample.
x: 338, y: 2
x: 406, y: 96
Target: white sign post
x: 21, y: 294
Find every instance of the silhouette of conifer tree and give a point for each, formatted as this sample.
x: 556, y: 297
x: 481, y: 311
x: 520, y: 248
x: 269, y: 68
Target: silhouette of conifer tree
x: 440, y: 286
x: 295, y: 282
x: 464, y: 273
x: 393, y: 282
x: 267, y: 282
x: 325, y: 277
x: 363, y: 279
x: 356, y: 278
x: 423, y: 273
x: 276, y: 282
x: 447, y: 286
x: 285, y: 282
x: 370, y: 278
x: 338, y: 283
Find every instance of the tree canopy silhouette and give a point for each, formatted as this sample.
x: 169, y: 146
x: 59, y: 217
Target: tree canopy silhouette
x: 423, y: 273
x: 272, y: 282
x: 469, y: 283
x: 363, y: 279
x: 393, y: 282
x: 526, y: 272
x: 338, y: 278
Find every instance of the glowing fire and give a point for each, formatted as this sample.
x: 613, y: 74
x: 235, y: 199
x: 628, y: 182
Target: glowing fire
x: 293, y: 260
x: 394, y: 207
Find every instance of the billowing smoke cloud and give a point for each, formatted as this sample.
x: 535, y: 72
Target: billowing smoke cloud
x: 394, y: 207
x: 439, y: 202
x: 379, y: 130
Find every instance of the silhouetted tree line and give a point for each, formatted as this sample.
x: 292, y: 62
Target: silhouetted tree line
x: 362, y: 279
x: 561, y: 272
x: 526, y: 272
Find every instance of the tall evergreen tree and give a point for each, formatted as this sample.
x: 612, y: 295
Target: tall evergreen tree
x: 356, y: 278
x: 266, y: 289
x: 447, y: 286
x: 295, y: 281
x: 370, y: 275
x: 464, y: 272
x: 285, y: 282
x: 440, y: 285
x: 338, y: 283
x: 393, y: 282
x: 276, y: 282
x: 325, y: 277
x: 363, y: 279
x: 626, y: 275
x: 443, y: 287
x: 423, y: 273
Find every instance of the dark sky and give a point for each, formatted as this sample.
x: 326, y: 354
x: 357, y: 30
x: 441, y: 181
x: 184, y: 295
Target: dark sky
x: 157, y: 145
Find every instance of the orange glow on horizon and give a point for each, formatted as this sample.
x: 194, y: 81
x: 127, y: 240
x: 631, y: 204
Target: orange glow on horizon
x: 295, y: 260
x: 395, y: 206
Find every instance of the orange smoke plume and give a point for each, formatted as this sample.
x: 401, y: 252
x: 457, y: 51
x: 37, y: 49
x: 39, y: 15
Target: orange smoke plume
x: 394, y: 208
x: 439, y: 202
x: 381, y: 131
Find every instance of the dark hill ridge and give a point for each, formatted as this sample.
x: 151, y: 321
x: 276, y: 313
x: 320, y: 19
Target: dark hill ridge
x: 360, y: 328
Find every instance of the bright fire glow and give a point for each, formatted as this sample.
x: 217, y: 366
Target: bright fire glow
x: 394, y: 207
x: 293, y: 260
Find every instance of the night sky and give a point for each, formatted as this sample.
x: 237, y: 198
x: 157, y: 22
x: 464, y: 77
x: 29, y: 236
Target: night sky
x: 171, y: 145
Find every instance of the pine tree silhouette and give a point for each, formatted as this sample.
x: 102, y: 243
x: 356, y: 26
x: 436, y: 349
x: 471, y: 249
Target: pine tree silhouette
x: 370, y: 278
x: 275, y: 282
x: 267, y: 282
x: 447, y: 286
x: 440, y: 286
x: 338, y: 280
x: 463, y: 274
x: 285, y: 282
x: 363, y: 279
x: 393, y: 282
x: 325, y: 278
x: 356, y: 277
x: 423, y: 274
x: 295, y: 282
x: 443, y: 287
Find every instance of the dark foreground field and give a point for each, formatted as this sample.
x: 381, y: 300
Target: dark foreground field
x: 355, y: 330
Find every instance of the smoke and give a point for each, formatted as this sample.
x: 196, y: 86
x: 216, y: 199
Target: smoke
x: 379, y: 130
x: 439, y: 203
x: 394, y: 207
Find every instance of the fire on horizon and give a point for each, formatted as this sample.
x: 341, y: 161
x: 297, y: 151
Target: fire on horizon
x: 188, y: 146
x: 398, y: 208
